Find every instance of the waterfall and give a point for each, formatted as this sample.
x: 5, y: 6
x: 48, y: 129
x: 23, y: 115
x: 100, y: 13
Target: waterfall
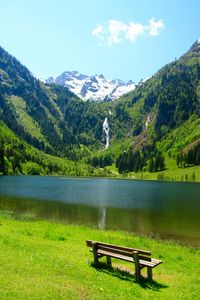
x: 147, y: 121
x: 106, y: 129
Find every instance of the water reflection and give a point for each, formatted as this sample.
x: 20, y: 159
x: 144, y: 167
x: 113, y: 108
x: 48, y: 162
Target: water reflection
x: 160, y: 209
x: 164, y: 224
x: 102, y: 218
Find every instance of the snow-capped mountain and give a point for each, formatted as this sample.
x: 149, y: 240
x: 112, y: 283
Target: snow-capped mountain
x: 95, y: 87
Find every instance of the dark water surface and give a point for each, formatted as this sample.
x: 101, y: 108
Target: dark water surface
x: 163, y: 209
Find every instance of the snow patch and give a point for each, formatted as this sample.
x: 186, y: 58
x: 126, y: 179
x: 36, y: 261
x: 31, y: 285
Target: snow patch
x: 95, y: 87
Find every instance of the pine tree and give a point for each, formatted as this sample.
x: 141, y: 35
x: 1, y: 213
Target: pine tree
x: 157, y: 163
x: 151, y: 165
x: 2, y: 158
x: 197, y: 160
x: 162, y: 162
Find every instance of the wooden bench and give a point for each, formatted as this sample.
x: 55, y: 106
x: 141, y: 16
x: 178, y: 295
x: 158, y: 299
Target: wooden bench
x: 141, y: 258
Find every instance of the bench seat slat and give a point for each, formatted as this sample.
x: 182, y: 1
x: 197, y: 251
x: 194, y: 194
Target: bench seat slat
x: 115, y: 255
x: 113, y: 250
x: 153, y: 263
x: 122, y: 252
x: 128, y: 249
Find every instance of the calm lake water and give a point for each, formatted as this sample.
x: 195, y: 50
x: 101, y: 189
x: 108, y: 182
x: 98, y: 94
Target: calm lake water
x: 162, y: 209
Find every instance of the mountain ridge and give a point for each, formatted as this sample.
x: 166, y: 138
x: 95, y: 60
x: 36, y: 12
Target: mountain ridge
x: 95, y: 87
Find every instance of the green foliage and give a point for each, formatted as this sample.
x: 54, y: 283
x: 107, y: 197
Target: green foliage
x: 130, y: 161
x: 33, y: 169
x: 2, y: 158
x: 157, y: 163
x: 177, y: 101
x: 21, y: 158
x: 191, y: 157
x: 101, y: 161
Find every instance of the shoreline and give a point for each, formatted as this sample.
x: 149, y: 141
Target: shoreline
x: 171, y: 239
x: 103, y: 177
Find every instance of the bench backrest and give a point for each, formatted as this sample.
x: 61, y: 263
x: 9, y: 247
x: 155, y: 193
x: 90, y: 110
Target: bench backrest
x: 125, y: 251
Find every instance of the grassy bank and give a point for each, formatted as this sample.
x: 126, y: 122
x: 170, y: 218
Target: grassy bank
x: 41, y: 260
x: 171, y: 173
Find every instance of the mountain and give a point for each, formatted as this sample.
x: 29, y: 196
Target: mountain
x: 95, y: 87
x: 171, y: 96
x: 50, y: 118
x: 38, y: 118
x: 165, y: 113
x: 159, y: 119
x: 195, y: 47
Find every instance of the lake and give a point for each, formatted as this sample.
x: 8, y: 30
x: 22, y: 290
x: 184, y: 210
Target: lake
x: 167, y: 210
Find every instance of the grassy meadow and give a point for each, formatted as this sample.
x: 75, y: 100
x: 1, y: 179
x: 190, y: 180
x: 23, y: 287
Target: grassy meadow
x: 43, y: 260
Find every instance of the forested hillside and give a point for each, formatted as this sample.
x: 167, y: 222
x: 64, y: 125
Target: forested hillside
x: 49, y: 117
x: 165, y: 106
x: 156, y: 123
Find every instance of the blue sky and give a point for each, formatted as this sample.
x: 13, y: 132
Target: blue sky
x: 124, y: 39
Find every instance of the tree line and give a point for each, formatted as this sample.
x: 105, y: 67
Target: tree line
x: 156, y: 163
x: 100, y: 161
x: 134, y: 161
x: 129, y: 161
x: 2, y: 158
x: 191, y: 157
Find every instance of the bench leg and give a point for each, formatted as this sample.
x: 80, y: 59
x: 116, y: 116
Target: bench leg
x: 149, y: 273
x: 137, y: 265
x: 94, y: 249
x: 96, y: 259
x: 108, y: 260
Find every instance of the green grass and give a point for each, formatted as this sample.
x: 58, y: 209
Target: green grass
x: 171, y: 173
x: 41, y: 260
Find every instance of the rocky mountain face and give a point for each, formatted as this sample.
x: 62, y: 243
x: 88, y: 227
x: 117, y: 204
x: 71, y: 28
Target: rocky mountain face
x: 95, y: 87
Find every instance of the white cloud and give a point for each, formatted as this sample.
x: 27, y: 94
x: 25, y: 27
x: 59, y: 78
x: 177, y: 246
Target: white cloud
x: 116, y: 28
x: 97, y: 30
x: 134, y: 30
x: 115, y: 31
x: 155, y: 27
